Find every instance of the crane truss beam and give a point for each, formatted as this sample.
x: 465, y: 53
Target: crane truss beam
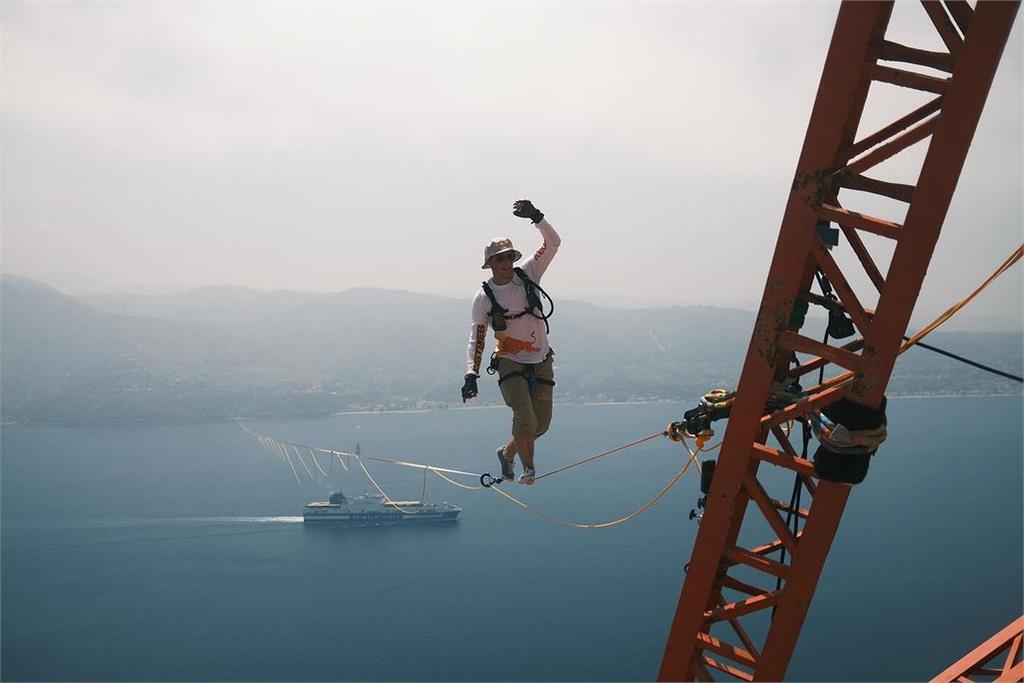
x: 999, y: 657
x: 832, y: 159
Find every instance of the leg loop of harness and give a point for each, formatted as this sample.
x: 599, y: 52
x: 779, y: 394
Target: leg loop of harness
x: 517, y: 373
x: 531, y: 379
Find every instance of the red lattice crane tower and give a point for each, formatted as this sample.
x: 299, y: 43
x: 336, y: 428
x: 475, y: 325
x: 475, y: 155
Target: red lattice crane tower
x: 955, y: 82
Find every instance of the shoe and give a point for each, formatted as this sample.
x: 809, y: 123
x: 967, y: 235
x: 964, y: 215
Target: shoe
x: 508, y: 469
x: 527, y: 476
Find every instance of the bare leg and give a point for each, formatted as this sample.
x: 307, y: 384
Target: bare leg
x: 524, y: 445
x: 510, y: 450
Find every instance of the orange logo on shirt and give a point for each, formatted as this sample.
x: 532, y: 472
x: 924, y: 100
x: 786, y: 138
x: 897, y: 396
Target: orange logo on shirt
x: 511, y: 345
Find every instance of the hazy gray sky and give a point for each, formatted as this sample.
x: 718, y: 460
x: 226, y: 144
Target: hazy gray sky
x: 326, y: 146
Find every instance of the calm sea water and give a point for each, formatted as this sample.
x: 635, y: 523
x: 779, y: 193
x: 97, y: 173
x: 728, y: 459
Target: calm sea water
x: 176, y: 553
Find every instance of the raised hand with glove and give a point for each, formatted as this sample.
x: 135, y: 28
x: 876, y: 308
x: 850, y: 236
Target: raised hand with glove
x: 524, y: 208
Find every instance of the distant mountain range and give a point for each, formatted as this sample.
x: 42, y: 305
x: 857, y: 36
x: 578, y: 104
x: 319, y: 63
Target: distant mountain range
x: 218, y: 352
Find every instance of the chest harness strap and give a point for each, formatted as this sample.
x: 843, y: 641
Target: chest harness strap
x: 499, y: 315
x: 534, y: 305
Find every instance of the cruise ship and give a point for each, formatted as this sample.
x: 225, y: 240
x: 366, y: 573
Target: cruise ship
x: 373, y: 510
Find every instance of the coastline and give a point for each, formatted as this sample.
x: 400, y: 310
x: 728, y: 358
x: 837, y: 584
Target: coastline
x: 407, y: 411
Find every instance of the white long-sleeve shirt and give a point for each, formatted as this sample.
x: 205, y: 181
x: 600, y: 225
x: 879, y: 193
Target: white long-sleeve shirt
x: 525, y: 340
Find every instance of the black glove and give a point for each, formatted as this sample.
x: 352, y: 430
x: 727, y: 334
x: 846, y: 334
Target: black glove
x: 469, y: 388
x: 524, y: 208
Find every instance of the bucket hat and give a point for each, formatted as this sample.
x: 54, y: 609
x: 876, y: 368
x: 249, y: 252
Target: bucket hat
x: 499, y: 245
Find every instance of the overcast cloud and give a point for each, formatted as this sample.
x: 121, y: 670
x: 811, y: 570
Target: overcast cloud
x: 327, y: 146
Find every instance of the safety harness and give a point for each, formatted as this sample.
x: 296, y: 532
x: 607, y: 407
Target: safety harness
x: 529, y: 373
x: 534, y: 307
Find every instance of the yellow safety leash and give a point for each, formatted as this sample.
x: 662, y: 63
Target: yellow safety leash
x: 614, y: 522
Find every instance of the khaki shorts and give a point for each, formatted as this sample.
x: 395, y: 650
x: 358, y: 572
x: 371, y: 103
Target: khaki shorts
x: 530, y: 401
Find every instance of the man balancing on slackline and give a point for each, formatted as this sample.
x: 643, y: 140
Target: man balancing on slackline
x: 510, y: 302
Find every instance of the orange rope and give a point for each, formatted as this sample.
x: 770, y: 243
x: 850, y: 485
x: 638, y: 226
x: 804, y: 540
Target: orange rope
x: 950, y: 312
x: 614, y: 522
x: 279, y: 447
x: 1013, y: 258
x: 602, y: 454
